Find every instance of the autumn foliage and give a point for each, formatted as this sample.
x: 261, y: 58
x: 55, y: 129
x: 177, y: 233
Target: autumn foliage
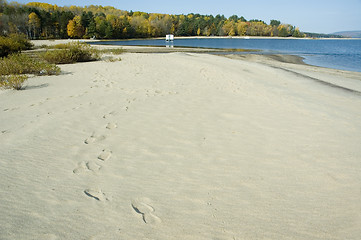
x: 43, y: 20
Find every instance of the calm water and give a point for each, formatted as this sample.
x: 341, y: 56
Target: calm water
x: 342, y: 54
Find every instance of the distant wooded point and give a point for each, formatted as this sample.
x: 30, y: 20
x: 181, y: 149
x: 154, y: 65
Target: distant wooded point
x: 47, y: 21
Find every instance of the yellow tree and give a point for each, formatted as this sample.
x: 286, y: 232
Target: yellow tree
x: 229, y: 28
x: 74, y: 28
x: 198, y: 32
x: 140, y: 25
x: 71, y: 28
x: 242, y: 28
x: 34, y: 24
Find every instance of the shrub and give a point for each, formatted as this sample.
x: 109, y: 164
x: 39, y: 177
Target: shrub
x: 24, y: 42
x: 59, y: 46
x: 22, y: 64
x: 71, y: 53
x: 13, y: 81
x: 112, y: 51
x: 13, y: 44
x: 112, y: 59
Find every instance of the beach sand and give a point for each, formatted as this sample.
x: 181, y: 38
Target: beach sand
x: 182, y: 146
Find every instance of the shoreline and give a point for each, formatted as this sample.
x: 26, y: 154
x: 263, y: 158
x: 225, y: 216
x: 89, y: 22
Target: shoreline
x: 296, y: 59
x: 229, y: 37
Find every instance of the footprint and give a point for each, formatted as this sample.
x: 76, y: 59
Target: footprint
x: 105, y: 155
x: 110, y: 114
x: 140, y: 206
x: 96, y: 194
x: 93, y: 138
x: 84, y: 167
x: 111, y: 125
x: 90, y: 140
x: 92, y: 166
x: 81, y: 168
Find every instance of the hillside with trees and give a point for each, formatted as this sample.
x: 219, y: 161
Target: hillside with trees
x: 47, y: 21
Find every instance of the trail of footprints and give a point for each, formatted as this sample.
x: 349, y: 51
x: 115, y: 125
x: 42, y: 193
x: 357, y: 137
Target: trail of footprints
x: 94, y: 166
x: 141, y: 206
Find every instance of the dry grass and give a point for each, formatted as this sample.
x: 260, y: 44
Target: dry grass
x: 71, y: 53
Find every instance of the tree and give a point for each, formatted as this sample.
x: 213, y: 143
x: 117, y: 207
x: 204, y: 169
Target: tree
x: 275, y: 23
x: 297, y: 33
x: 233, y: 18
x: 198, y: 32
x: 64, y: 18
x: 242, y: 28
x: 34, y: 25
x: 86, y: 18
x: 229, y: 28
x: 109, y: 31
x: 101, y: 28
x: 71, y: 28
x: 282, y: 31
x: 75, y: 29
x: 257, y: 29
x: 92, y: 29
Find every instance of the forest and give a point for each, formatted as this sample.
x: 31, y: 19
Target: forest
x: 47, y: 21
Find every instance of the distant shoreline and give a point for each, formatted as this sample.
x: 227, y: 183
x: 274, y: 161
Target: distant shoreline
x: 224, y: 37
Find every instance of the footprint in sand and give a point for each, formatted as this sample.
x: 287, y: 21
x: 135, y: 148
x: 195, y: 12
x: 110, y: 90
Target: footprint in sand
x: 142, y: 207
x: 84, y: 167
x: 111, y: 126
x: 93, y: 139
x: 109, y: 114
x: 105, y: 155
x: 97, y: 194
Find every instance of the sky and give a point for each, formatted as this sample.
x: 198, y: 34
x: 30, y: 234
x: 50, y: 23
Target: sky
x: 321, y: 16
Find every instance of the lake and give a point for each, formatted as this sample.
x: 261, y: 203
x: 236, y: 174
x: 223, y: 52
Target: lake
x: 344, y: 54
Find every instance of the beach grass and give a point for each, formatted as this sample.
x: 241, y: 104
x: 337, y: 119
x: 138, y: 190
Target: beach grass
x: 23, y: 64
x: 71, y: 53
x: 15, y: 67
x: 115, y: 51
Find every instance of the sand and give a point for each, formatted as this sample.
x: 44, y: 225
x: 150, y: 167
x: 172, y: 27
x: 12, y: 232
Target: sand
x: 182, y: 146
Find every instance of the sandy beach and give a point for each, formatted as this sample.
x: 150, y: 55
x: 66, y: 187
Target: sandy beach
x: 183, y: 146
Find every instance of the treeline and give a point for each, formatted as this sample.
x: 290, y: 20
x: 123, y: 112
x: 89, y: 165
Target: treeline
x: 46, y: 21
x: 322, y: 35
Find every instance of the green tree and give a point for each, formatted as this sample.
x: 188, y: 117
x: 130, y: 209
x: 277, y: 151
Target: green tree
x: 297, y: 33
x: 275, y: 23
x: 282, y: 31
x: 91, y: 29
x: 109, y: 31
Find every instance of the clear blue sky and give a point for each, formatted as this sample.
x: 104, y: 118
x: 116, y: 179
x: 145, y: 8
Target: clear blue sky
x: 322, y: 16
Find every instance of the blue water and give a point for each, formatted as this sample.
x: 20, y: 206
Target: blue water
x: 344, y: 54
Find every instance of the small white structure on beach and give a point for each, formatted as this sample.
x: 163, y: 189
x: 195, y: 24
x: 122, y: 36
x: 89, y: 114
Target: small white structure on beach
x: 169, y: 37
